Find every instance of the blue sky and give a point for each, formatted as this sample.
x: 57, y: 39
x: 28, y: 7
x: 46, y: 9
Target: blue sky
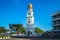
x: 14, y: 12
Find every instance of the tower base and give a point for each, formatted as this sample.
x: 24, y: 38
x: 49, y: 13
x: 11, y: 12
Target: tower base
x: 30, y: 32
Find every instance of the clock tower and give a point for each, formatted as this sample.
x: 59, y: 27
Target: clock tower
x: 29, y: 21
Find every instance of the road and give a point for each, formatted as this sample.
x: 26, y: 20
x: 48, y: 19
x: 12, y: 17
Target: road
x: 28, y: 39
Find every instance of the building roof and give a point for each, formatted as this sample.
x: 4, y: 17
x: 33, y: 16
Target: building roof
x: 55, y: 13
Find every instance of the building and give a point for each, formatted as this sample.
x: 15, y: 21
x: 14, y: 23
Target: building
x: 56, y: 21
x: 55, y: 32
x: 29, y: 21
x: 56, y: 24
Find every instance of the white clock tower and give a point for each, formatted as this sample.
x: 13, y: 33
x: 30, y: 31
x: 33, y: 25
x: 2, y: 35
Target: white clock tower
x: 30, y: 21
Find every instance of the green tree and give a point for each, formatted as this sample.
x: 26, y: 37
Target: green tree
x: 20, y: 28
x: 2, y: 30
x: 7, y: 31
x: 12, y: 28
x: 38, y: 31
x: 17, y: 28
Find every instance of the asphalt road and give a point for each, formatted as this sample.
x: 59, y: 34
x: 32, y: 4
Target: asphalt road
x: 28, y: 39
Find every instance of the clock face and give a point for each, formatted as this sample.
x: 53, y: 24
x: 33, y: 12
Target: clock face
x: 28, y: 21
x: 29, y: 13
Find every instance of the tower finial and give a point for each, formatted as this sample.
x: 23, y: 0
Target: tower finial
x: 30, y: 6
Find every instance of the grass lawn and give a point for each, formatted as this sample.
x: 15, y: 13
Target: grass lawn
x: 4, y: 37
